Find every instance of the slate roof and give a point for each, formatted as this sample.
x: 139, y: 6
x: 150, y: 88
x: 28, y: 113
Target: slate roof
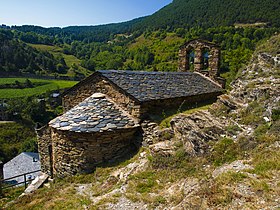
x: 95, y: 114
x: 148, y: 86
x: 23, y: 163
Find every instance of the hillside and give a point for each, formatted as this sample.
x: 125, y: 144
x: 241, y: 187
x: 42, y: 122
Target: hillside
x: 18, y: 57
x: 178, y: 14
x: 152, y: 42
x: 226, y: 157
x: 210, y: 13
x: 74, y: 68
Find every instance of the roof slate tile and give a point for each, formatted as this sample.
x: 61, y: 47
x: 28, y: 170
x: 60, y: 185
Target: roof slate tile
x: 147, y: 86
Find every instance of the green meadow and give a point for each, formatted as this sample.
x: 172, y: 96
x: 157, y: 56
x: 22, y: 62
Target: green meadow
x: 70, y: 60
x: 43, y: 87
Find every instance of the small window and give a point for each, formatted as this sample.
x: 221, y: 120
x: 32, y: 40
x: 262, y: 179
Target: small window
x: 205, y: 59
x: 191, y: 56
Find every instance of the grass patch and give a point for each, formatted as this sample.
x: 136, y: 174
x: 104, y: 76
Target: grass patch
x: 216, y: 194
x: 266, y: 161
x: 233, y: 129
x: 260, y: 186
x: 144, y: 181
x: 9, y: 195
x: 253, y: 115
x: 225, y: 151
x: 70, y: 60
x: 47, y: 85
x: 275, y: 114
x: 165, y: 122
x: 231, y: 177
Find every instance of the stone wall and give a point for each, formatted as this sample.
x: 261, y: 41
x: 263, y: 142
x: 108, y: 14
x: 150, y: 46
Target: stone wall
x: 99, y: 84
x: 45, y: 149
x: 158, y: 106
x: 198, y: 46
x: 81, y: 152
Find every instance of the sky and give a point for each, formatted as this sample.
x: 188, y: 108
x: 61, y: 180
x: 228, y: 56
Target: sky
x: 61, y: 13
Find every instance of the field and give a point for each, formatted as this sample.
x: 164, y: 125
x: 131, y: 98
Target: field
x: 45, y: 85
x: 69, y: 59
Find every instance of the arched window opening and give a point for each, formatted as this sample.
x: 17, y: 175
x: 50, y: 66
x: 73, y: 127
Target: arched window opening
x: 205, y: 59
x: 191, y: 56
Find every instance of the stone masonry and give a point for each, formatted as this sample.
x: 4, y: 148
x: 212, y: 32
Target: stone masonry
x: 103, y: 113
x: 98, y: 84
x: 139, y: 92
x: 198, y: 48
x: 94, y: 131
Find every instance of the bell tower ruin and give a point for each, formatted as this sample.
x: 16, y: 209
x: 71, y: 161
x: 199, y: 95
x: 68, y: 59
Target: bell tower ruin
x: 203, y: 57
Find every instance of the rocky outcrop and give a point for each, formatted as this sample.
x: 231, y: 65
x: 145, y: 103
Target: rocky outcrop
x: 196, y: 130
x: 258, y: 82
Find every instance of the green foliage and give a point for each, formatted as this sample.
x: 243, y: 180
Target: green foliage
x: 40, y: 86
x: 66, y: 61
x: 14, y: 139
x: 149, y: 50
x: 266, y: 161
x: 18, y: 57
x: 236, y: 59
x: 209, y: 13
x: 224, y: 151
x: 275, y: 114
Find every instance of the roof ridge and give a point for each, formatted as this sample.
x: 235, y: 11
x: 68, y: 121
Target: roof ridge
x: 143, y: 72
x: 208, y: 78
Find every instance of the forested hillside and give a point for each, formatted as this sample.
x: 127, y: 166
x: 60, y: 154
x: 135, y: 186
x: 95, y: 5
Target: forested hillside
x: 148, y: 43
x: 178, y: 14
x: 209, y: 13
x: 17, y: 57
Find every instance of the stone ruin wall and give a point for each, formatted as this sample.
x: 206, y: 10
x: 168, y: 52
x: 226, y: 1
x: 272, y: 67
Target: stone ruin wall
x: 98, y: 84
x: 81, y: 152
x: 198, y: 46
x: 158, y: 106
x: 44, y: 144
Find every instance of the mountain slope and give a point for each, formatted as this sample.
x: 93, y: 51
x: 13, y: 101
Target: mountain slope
x: 18, y: 57
x: 178, y: 14
x: 225, y: 158
x: 214, y: 13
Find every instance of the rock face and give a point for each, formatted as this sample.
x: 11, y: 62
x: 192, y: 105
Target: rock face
x: 197, y: 130
x: 258, y: 82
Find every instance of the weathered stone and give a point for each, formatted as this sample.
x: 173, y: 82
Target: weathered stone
x: 205, y: 59
x: 196, y: 130
x: 164, y: 148
x: 36, y: 183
